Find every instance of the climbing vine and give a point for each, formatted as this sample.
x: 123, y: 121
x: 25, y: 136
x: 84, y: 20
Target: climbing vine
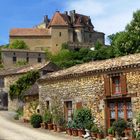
x: 22, y: 84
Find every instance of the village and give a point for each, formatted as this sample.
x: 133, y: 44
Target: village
x: 60, y: 77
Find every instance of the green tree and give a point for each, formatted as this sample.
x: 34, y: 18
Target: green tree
x: 18, y: 44
x: 128, y: 41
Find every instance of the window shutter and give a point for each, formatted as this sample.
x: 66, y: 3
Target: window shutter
x: 123, y: 84
x: 65, y: 111
x: 78, y: 105
x: 107, y: 85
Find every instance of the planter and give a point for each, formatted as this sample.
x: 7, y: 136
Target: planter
x: 50, y: 126
x: 42, y: 125
x: 60, y: 128
x: 110, y: 137
x: 69, y: 131
x: 81, y: 132
x: 46, y: 125
x: 74, y: 132
x: 54, y: 127
x: 99, y: 136
x: 93, y: 134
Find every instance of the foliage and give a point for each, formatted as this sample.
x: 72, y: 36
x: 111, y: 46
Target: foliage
x: 111, y: 131
x: 119, y: 126
x: 74, y: 125
x: 47, y: 118
x: 82, y: 117
x: 21, y: 63
x: 128, y: 41
x: 36, y: 119
x: 69, y: 124
x: 18, y: 44
x: 20, y: 86
x: 19, y: 113
x: 94, y: 129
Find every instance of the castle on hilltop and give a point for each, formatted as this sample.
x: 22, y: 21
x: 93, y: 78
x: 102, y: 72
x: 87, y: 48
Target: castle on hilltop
x: 75, y: 29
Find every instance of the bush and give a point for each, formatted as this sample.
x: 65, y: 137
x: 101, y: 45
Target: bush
x: 94, y: 129
x: 36, y: 119
x: 47, y: 117
x: 119, y: 126
x: 111, y: 130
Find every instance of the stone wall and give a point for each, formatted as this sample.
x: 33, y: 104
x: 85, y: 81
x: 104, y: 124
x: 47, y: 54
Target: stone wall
x: 88, y: 90
x: 9, y: 80
x: 30, y: 106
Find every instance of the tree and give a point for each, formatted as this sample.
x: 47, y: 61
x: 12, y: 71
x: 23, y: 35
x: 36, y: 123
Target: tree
x: 128, y: 41
x: 18, y: 44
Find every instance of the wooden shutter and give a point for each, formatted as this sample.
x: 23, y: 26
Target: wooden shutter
x: 78, y: 105
x: 107, y: 85
x: 123, y: 84
x: 65, y: 111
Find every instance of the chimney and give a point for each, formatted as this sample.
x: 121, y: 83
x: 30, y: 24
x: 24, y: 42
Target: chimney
x: 72, y: 16
x: 46, y: 18
x: 66, y: 12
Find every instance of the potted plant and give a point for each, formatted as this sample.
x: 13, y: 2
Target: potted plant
x: 48, y: 120
x: 69, y: 128
x: 36, y: 120
x: 111, y: 132
x: 119, y: 126
x: 94, y: 131
x: 80, y: 129
x: 100, y: 133
x: 74, y: 129
x: 60, y: 123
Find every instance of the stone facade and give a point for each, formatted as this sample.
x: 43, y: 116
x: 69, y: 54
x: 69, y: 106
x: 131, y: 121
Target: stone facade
x: 26, y: 56
x: 62, y: 28
x: 87, y: 84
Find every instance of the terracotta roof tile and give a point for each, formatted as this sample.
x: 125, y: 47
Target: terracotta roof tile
x: 96, y: 65
x: 29, y: 32
x: 58, y: 19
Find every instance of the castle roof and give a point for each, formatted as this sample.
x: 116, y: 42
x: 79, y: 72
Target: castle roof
x: 95, y: 67
x: 29, y: 32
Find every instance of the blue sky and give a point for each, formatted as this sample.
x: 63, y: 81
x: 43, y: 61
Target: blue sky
x: 108, y: 16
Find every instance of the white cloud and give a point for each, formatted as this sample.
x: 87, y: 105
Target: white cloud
x: 108, y: 17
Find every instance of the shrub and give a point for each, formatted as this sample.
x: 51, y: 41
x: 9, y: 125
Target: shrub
x: 69, y: 124
x: 36, y: 119
x: 111, y: 130
x: 47, y: 117
x: 119, y: 126
x: 94, y: 129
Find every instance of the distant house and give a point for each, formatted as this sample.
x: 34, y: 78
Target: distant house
x: 110, y: 88
x: 10, y: 76
x: 13, y: 57
x: 75, y: 29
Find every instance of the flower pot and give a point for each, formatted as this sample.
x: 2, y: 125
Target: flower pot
x: 50, y: 126
x: 93, y: 134
x: 69, y: 131
x: 110, y: 137
x: 54, y: 127
x: 81, y: 132
x: 74, y: 132
x: 45, y: 125
x: 59, y: 128
x: 42, y: 125
x: 99, y: 136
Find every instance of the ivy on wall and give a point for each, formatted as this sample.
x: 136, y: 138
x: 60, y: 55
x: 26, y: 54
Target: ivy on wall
x: 22, y: 84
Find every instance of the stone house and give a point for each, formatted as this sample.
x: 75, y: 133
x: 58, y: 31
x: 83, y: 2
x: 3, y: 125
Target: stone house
x: 110, y: 88
x: 72, y: 28
x: 10, y: 76
x: 12, y: 57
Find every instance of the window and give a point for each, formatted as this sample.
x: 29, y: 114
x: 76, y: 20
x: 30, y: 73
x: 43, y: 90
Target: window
x: 119, y: 109
x: 116, y: 85
x: 27, y: 59
x: 14, y: 59
x: 47, y: 105
x: 1, y: 82
x: 60, y: 34
x: 39, y: 60
x: 68, y: 110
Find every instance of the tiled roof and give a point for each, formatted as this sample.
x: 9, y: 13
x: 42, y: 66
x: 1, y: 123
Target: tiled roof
x: 29, y: 32
x: 23, y: 69
x: 33, y: 90
x: 58, y: 19
x: 102, y: 65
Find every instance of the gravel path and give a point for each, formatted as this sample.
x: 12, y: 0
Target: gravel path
x: 9, y: 130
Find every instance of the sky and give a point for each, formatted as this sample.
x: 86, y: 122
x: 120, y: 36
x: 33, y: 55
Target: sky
x: 108, y: 16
